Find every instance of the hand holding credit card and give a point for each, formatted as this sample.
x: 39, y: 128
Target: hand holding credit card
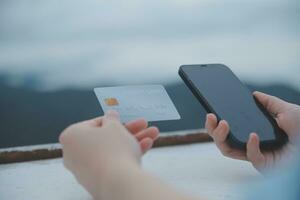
x: 150, y: 102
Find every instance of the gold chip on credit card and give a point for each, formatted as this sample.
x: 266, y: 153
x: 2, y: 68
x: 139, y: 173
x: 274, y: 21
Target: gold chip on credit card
x: 111, y: 102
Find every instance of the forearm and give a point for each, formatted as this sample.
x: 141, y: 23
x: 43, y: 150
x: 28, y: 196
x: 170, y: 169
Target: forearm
x: 132, y: 183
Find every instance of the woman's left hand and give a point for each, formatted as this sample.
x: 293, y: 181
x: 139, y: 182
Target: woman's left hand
x: 96, y: 150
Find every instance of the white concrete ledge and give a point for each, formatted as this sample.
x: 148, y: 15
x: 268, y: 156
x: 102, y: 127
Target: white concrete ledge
x: 198, y: 170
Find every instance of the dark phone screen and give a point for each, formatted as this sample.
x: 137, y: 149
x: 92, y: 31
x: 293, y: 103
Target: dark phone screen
x: 229, y: 98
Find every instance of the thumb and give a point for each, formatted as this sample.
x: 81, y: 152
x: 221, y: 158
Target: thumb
x: 254, y: 154
x: 273, y: 104
x: 111, y: 116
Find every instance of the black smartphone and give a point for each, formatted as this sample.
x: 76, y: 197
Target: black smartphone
x: 220, y: 92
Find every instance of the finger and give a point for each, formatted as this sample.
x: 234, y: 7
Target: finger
x: 151, y: 132
x: 254, y: 154
x: 221, y: 132
x: 136, y: 126
x: 211, y: 123
x: 220, y: 135
x: 146, y: 144
x: 273, y: 104
x: 110, y: 116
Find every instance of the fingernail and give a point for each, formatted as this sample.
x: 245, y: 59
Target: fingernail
x: 252, y: 135
x: 112, y: 114
x: 223, y: 122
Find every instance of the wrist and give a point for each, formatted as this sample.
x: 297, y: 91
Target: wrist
x: 112, y: 176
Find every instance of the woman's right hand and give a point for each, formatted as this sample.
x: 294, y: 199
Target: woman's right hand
x: 287, y: 116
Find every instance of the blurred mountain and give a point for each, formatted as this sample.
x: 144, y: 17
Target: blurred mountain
x: 30, y: 117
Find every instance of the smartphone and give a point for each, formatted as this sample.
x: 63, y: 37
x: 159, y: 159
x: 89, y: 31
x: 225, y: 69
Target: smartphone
x: 220, y: 92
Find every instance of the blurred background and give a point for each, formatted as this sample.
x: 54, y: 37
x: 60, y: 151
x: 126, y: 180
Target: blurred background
x: 53, y: 53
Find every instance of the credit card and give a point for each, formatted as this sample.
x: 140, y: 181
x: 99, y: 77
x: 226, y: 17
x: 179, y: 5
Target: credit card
x: 149, y: 102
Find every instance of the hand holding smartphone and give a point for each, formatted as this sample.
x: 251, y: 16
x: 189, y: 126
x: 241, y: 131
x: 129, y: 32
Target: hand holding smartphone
x: 222, y: 93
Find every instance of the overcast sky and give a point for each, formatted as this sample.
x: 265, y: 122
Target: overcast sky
x: 67, y: 43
